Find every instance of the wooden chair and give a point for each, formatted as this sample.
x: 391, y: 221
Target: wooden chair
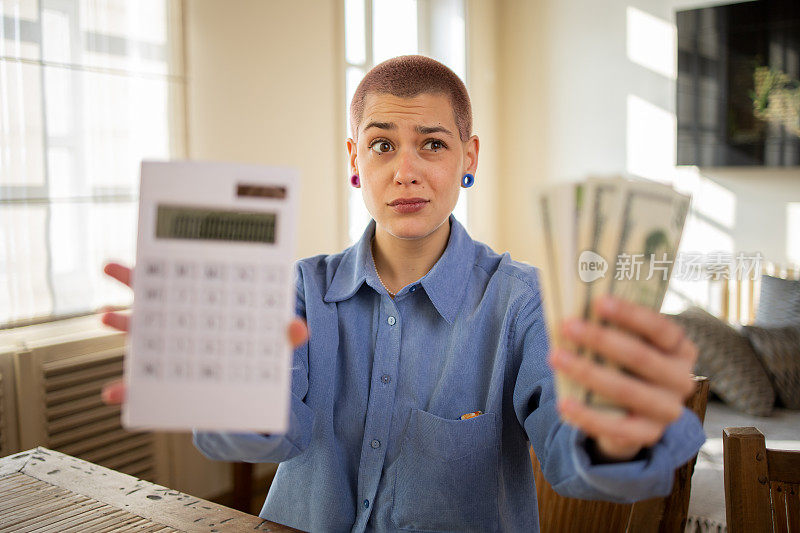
x: 558, y: 514
x: 762, y: 486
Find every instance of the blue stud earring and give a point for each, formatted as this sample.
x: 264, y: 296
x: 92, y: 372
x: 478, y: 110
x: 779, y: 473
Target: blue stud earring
x: 467, y: 180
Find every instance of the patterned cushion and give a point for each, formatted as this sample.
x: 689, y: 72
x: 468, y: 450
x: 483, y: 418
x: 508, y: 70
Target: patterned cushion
x: 778, y: 303
x: 728, y: 359
x: 779, y: 349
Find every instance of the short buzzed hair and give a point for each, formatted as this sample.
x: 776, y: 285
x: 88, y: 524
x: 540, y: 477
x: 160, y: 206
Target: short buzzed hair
x: 409, y: 76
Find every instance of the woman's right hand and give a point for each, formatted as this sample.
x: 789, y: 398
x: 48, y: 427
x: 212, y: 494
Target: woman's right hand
x: 114, y: 391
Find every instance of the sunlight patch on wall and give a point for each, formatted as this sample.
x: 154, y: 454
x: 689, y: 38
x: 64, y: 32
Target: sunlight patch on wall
x: 700, y: 235
x: 652, y: 42
x: 710, y: 200
x: 651, y: 133
x: 705, y: 237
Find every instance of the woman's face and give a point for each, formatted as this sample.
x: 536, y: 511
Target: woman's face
x: 410, y: 160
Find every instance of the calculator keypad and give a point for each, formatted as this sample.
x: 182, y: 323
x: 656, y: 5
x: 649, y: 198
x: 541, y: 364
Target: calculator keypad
x: 211, y: 322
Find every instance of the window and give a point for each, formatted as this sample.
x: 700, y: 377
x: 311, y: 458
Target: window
x: 376, y: 30
x: 88, y: 88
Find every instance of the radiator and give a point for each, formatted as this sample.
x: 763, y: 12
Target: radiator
x: 58, y: 382
x: 9, y: 441
x: 50, y: 381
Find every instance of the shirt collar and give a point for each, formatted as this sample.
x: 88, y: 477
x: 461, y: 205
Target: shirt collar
x: 445, y: 284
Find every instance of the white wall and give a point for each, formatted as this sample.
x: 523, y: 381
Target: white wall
x: 265, y: 84
x: 575, y: 100
x: 482, y: 73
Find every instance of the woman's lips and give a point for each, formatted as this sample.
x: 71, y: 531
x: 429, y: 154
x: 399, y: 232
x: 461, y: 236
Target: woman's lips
x: 408, y: 205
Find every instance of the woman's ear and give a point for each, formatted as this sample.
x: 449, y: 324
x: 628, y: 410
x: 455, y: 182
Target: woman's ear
x: 471, y: 154
x: 352, y: 152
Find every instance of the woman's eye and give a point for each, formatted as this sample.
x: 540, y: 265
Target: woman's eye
x: 433, y: 145
x: 381, y: 146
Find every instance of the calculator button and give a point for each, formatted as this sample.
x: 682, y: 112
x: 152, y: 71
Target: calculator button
x: 244, y: 298
x: 240, y: 347
x: 209, y: 370
x: 154, y: 269
x: 182, y: 320
x: 153, y: 345
x: 181, y: 345
x: 153, y: 294
x: 209, y: 347
x: 241, y: 323
x: 213, y: 273
x: 270, y: 323
x: 150, y: 368
x: 271, y: 301
x: 183, y: 271
x: 241, y: 373
x: 266, y: 373
x: 212, y: 297
x: 153, y: 319
x: 244, y: 274
x: 182, y: 295
x: 211, y: 321
x: 267, y: 349
x: 179, y: 369
x: 273, y: 275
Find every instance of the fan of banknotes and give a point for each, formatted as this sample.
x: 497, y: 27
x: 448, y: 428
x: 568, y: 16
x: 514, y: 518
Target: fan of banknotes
x: 604, y: 236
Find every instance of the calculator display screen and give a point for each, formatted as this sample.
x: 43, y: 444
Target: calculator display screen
x: 206, y: 224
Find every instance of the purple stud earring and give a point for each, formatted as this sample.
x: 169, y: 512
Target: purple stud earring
x: 354, y: 181
x: 467, y: 180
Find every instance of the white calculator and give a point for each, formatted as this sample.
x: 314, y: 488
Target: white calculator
x: 213, y: 296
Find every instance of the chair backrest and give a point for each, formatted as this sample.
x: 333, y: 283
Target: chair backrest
x: 558, y: 514
x: 739, y: 294
x: 762, y: 486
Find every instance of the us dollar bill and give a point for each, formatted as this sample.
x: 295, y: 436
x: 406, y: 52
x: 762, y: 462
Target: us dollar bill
x: 641, y: 244
x: 560, y: 210
x: 604, y: 236
x: 603, y: 202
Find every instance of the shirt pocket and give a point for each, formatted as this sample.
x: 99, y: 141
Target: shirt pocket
x: 446, y: 476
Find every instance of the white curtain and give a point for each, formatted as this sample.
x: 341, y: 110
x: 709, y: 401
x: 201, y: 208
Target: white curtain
x: 88, y: 88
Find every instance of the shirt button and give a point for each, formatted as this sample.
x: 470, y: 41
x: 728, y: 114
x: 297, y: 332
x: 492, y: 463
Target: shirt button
x: 391, y: 320
x: 375, y: 444
x: 386, y: 379
x: 366, y: 504
x: 413, y: 288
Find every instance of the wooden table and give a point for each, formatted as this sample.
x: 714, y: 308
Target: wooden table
x: 44, y: 490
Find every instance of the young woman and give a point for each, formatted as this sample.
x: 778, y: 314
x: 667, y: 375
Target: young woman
x: 417, y: 325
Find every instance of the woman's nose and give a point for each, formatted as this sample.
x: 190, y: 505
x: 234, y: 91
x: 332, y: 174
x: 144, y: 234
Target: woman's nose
x: 407, y: 171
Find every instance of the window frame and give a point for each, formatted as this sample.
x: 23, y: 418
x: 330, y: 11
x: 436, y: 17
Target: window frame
x: 425, y: 29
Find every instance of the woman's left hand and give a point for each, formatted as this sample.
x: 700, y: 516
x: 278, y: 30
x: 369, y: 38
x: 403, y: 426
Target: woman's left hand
x: 658, y: 358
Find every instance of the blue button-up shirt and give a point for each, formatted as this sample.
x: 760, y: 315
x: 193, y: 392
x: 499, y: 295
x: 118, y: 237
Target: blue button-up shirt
x: 375, y: 440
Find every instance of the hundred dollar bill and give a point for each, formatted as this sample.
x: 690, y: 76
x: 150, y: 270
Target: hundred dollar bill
x: 560, y: 211
x: 603, y: 201
x: 650, y: 227
x: 641, y: 247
